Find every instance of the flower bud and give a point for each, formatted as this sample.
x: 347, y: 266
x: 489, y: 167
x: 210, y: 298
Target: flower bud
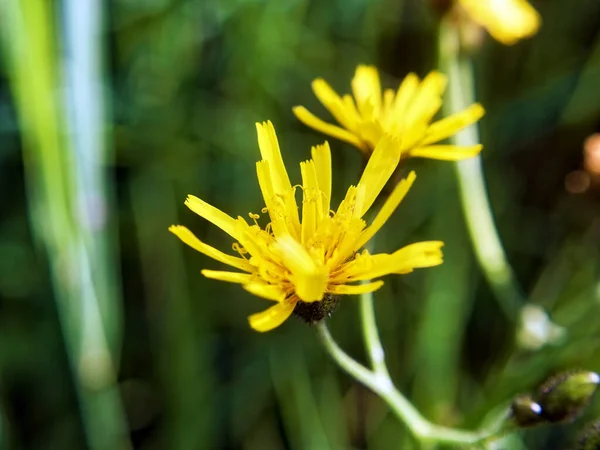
x: 524, y: 412
x: 564, y: 396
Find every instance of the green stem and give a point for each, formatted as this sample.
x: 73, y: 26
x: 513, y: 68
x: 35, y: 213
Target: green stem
x: 371, y: 335
x: 473, y: 194
x: 378, y: 380
x: 73, y: 248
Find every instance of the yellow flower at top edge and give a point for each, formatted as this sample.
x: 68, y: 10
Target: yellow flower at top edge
x: 303, y: 262
x: 407, y: 113
x: 507, y: 21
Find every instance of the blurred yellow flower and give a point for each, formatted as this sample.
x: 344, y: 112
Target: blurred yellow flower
x: 507, y: 21
x: 304, y: 264
x: 405, y: 114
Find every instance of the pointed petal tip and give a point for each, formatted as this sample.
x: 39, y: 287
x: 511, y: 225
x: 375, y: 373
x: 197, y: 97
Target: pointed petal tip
x: 318, y: 82
x: 478, y: 110
x: 299, y: 111
x: 270, y: 318
x: 265, y: 125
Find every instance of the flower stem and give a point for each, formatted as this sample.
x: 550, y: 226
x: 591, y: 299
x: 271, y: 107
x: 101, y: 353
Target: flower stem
x: 476, y: 206
x: 378, y: 380
x: 371, y: 334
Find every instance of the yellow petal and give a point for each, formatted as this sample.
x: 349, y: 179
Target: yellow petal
x: 446, y: 152
x: 212, y: 214
x: 388, y: 100
x: 308, y: 277
x: 404, y: 96
x: 321, y: 155
x: 417, y: 256
x: 507, y: 21
x: 386, y: 210
x: 272, y: 317
x: 350, y: 109
x: 309, y: 119
x: 280, y: 224
x: 357, y: 289
x: 311, y: 202
x: 412, y: 136
x: 269, y: 150
x: 266, y: 291
x: 188, y: 238
x: 253, y: 239
x: 405, y: 260
x: 449, y: 126
x: 427, y: 100
x: 230, y: 277
x: 370, y: 131
x: 280, y: 181
x: 333, y: 102
x: 380, y: 168
x: 263, y: 174
x: 366, y: 88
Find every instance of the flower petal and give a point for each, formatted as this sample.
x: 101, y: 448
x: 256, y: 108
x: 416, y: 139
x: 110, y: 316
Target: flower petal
x: 188, y: 238
x: 321, y: 155
x: 333, y: 102
x: 507, y: 21
x: 356, y: 289
x: 366, y: 88
x: 381, y: 166
x: 280, y: 181
x: 386, y: 210
x: 308, y: 277
x: 212, y: 214
x: 274, y: 204
x: 266, y: 291
x: 309, y: 119
x: 406, y: 92
x: 269, y: 150
x: 449, y: 126
x: 446, y: 152
x: 230, y: 277
x: 414, y: 256
x: 311, y: 202
x: 427, y: 99
x: 272, y: 317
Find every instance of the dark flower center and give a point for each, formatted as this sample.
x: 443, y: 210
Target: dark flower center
x: 313, y: 312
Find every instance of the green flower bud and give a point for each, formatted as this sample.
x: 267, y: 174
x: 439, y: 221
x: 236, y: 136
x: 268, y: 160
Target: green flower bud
x: 524, y: 412
x: 565, y: 396
x: 589, y: 439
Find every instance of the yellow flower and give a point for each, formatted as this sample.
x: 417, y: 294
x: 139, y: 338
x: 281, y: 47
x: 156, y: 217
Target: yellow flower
x: 405, y: 114
x: 507, y: 21
x: 303, y: 264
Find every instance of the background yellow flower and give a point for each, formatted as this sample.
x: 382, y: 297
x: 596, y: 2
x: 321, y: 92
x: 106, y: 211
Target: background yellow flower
x: 406, y: 114
x: 508, y: 21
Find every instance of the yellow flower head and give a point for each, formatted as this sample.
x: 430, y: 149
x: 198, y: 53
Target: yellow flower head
x: 507, y: 21
x: 405, y: 114
x: 303, y: 264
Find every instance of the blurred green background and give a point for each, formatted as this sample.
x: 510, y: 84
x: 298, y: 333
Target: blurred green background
x: 111, y: 112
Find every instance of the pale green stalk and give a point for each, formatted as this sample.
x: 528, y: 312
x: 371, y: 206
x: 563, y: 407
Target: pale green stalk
x: 473, y: 194
x: 378, y: 380
x: 55, y: 213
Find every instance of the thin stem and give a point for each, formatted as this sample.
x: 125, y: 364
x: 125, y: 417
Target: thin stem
x: 382, y: 385
x: 371, y: 334
x: 473, y: 194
